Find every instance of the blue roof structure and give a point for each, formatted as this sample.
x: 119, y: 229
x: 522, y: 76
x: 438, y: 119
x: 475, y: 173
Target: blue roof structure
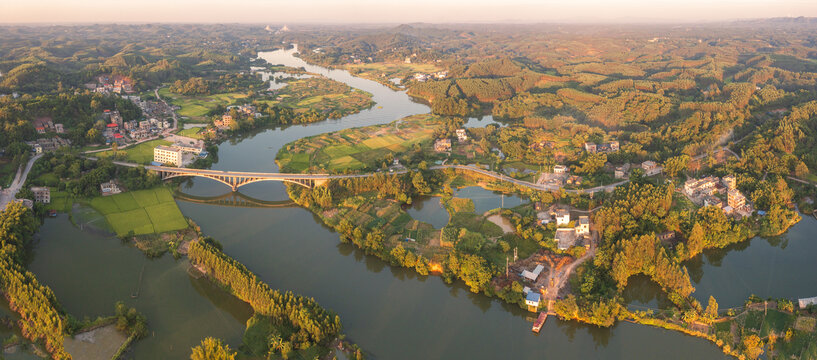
x: 533, y: 296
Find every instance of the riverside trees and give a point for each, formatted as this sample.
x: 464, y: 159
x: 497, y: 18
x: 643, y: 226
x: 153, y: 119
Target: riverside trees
x: 310, y: 323
x: 41, y: 318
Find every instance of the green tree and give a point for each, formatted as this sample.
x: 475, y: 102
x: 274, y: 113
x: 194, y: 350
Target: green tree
x: 212, y: 349
x: 753, y: 346
x: 712, y: 309
x: 676, y: 165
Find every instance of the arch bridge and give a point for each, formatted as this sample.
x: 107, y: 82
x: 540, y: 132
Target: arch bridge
x: 236, y: 179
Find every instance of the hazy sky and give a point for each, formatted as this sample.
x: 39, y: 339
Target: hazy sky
x: 396, y: 11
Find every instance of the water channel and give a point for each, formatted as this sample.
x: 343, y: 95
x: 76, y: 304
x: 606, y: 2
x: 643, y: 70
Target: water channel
x: 392, y: 313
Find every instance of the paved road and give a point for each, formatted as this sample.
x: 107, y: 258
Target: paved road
x: 528, y: 184
x: 8, y: 194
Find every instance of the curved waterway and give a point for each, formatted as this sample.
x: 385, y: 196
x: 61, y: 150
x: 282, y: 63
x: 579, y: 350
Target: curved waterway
x: 392, y: 313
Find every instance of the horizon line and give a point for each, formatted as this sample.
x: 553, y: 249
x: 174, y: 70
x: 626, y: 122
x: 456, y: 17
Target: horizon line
x: 394, y: 23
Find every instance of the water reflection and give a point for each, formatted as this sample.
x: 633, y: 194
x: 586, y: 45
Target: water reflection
x: 234, y: 199
x: 429, y: 209
x: 766, y: 267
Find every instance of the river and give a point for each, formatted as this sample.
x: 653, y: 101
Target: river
x: 392, y: 313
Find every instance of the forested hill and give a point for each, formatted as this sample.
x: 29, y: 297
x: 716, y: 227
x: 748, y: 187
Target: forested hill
x: 47, y: 58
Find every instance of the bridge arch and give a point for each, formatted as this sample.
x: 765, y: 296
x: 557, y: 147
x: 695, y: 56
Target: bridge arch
x: 235, y: 181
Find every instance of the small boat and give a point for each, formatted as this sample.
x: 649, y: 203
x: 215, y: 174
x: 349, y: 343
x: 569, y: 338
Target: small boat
x: 537, y: 325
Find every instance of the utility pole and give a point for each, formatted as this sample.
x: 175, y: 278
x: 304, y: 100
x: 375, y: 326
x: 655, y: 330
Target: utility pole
x: 506, y: 266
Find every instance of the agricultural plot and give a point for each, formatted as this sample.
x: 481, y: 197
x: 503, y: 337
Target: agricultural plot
x: 141, y: 212
x: 795, y: 336
x: 323, y: 95
x: 357, y: 149
x: 197, y: 107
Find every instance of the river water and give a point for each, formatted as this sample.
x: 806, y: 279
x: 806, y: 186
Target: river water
x: 392, y: 313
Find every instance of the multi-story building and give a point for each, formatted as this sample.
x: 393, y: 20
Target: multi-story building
x: 583, y: 228
x: 116, y: 118
x: 225, y: 122
x: 735, y: 199
x: 462, y: 135
x: 729, y: 181
x: 562, y: 217
x: 41, y: 194
x: 705, y: 186
x: 167, y: 155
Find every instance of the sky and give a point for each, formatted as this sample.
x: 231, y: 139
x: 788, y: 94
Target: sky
x: 397, y: 11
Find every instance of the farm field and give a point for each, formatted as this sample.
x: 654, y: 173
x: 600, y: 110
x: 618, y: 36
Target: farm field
x: 357, y: 149
x: 197, y: 107
x: 142, y: 153
x: 141, y: 212
x: 323, y: 95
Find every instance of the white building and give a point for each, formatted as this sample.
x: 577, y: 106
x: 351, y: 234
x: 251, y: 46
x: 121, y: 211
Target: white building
x: 461, y: 135
x: 562, y: 217
x: 109, y: 188
x: 583, y: 228
x: 167, y: 155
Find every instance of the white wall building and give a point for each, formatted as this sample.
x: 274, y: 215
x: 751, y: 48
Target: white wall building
x: 167, y: 155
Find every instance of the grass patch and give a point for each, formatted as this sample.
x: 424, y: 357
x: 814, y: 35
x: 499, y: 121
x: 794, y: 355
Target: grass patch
x: 805, y: 323
x: 753, y: 320
x: 777, y: 322
x: 60, y: 201
x: 142, y: 153
x: 194, y: 132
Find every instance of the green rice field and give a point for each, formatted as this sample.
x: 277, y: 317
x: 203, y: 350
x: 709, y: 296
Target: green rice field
x: 141, y: 212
